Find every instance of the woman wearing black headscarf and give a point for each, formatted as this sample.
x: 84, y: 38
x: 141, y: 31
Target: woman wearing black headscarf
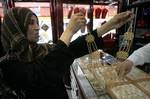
x: 38, y: 69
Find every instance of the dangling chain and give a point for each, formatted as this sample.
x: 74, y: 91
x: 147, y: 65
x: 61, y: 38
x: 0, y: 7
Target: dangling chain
x: 92, y: 46
x: 91, y: 42
x: 124, y: 49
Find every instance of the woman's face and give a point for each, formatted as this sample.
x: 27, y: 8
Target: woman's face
x: 33, y: 29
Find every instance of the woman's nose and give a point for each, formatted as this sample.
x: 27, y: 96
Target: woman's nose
x: 37, y: 27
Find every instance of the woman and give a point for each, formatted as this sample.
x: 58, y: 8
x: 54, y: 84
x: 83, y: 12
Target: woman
x: 38, y: 69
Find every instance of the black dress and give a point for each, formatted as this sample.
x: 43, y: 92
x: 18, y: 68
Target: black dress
x: 43, y: 79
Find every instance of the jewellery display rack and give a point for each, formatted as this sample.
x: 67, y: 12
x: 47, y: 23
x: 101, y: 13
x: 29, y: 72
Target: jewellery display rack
x: 100, y: 80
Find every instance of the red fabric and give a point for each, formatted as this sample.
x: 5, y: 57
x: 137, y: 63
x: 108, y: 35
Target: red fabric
x: 83, y: 11
x: 109, y: 40
x: 104, y: 13
x: 76, y: 10
x: 147, y: 34
x: 97, y: 12
x: 140, y: 23
x: 70, y: 12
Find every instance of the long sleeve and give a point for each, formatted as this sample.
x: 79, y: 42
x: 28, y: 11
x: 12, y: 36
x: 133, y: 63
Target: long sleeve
x: 45, y: 75
x: 141, y: 55
x: 79, y: 46
x: 62, y: 56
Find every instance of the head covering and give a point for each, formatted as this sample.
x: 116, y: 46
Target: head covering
x: 13, y: 36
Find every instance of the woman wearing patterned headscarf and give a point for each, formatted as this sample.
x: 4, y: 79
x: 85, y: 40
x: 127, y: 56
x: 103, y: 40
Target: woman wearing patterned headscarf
x: 38, y: 69
x: 15, y: 25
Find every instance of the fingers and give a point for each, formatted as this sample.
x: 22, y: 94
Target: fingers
x: 80, y: 14
x: 120, y: 19
x: 81, y: 19
x: 76, y: 22
x: 125, y: 16
x: 82, y: 22
x: 128, y: 16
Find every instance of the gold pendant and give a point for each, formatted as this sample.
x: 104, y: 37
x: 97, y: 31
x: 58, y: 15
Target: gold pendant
x: 124, y: 49
x: 89, y: 38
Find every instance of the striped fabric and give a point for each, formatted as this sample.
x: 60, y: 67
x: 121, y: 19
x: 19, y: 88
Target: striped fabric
x: 13, y: 36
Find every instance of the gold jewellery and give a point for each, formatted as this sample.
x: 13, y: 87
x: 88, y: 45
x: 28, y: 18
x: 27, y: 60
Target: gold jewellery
x: 124, y: 49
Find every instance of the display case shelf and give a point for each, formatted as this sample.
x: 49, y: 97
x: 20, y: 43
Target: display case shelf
x: 101, y: 82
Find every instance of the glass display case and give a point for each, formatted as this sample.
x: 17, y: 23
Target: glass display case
x: 96, y: 13
x: 100, y: 81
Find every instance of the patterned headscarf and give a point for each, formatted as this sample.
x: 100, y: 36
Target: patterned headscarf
x: 14, y: 35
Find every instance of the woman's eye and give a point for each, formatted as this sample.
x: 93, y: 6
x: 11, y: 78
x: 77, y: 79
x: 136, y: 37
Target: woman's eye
x: 32, y: 22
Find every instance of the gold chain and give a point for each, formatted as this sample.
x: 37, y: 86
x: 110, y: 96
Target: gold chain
x: 126, y: 44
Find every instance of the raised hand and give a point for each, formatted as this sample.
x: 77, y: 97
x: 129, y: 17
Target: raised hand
x: 76, y: 22
x: 120, y: 19
x: 116, y: 22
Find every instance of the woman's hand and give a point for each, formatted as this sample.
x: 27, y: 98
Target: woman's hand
x: 116, y: 22
x: 76, y: 22
x: 120, y: 19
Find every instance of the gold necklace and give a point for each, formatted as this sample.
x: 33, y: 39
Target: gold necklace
x: 126, y: 44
